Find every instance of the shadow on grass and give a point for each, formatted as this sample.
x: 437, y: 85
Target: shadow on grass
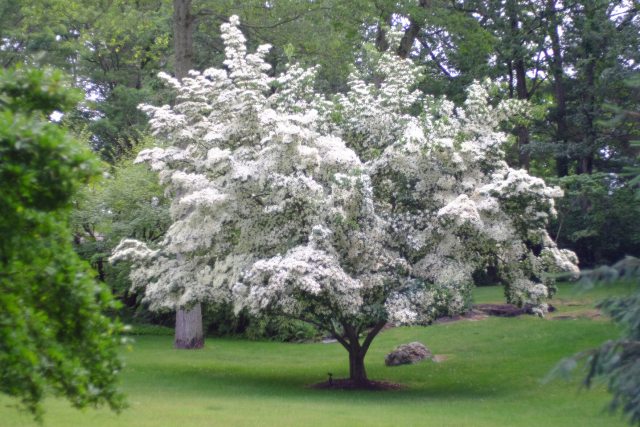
x: 493, y: 359
x: 223, y: 381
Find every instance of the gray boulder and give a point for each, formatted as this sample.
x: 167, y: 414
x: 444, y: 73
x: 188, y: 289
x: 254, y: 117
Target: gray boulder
x: 406, y: 354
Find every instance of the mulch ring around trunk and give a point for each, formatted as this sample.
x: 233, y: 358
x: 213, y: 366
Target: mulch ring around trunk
x: 347, y: 384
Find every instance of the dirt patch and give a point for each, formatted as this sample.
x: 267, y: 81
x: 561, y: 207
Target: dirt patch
x: 347, y: 384
x: 588, y: 313
x: 471, y: 315
x: 507, y: 310
x: 476, y: 317
x: 440, y: 357
x: 563, y: 302
x: 577, y: 303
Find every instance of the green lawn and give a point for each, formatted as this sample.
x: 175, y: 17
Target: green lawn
x: 492, y: 378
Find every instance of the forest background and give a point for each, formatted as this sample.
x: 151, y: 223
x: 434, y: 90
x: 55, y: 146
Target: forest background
x: 575, y: 61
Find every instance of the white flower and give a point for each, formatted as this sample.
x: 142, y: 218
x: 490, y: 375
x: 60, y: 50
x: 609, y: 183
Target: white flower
x: 290, y: 203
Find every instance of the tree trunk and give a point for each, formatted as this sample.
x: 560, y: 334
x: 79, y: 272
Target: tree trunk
x: 585, y: 165
x: 189, y: 329
x: 524, y: 156
x: 523, y: 131
x: 406, y: 44
x: 562, y: 165
x: 357, y: 352
x: 562, y: 161
x: 356, y: 367
x: 188, y: 323
x: 182, y: 37
x: 516, y: 63
x: 381, y: 45
x: 100, y: 269
x: 415, y: 25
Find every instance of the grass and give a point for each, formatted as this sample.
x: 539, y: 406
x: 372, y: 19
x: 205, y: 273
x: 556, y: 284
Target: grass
x: 151, y: 330
x: 492, y: 378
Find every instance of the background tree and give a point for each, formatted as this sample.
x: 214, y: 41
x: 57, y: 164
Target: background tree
x: 605, y: 232
x: 128, y: 202
x: 113, y: 49
x: 616, y: 362
x: 53, y: 336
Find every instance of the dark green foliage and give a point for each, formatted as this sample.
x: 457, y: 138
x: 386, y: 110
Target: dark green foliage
x: 597, y: 218
x: 616, y: 362
x: 280, y: 329
x: 128, y: 202
x: 150, y: 330
x: 219, y: 321
x: 29, y: 90
x: 53, y: 337
x: 481, y: 278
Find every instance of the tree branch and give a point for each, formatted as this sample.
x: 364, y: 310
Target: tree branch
x: 426, y: 46
x: 208, y: 12
x: 331, y: 330
x: 367, y: 341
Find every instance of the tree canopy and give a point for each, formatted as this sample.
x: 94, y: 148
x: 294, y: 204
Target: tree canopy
x: 275, y: 213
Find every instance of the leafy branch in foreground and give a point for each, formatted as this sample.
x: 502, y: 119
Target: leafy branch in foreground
x: 615, y: 362
x: 53, y: 336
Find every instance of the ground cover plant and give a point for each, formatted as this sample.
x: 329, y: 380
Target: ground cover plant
x: 491, y: 378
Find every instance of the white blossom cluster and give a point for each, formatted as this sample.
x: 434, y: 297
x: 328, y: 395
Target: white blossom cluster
x: 269, y: 214
x: 276, y: 211
x: 453, y: 204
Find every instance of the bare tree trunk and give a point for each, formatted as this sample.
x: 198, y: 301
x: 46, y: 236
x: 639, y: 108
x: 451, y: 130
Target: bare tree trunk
x: 415, y: 25
x: 381, y: 45
x: 188, y: 323
x: 182, y: 37
x: 406, y: 44
x: 356, y: 367
x: 585, y: 164
x: 562, y: 161
x: 523, y: 131
x: 100, y: 269
x: 189, y: 329
x: 524, y: 156
x: 357, y: 352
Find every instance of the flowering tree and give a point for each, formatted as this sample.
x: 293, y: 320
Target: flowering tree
x: 277, y: 215
x: 452, y: 202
